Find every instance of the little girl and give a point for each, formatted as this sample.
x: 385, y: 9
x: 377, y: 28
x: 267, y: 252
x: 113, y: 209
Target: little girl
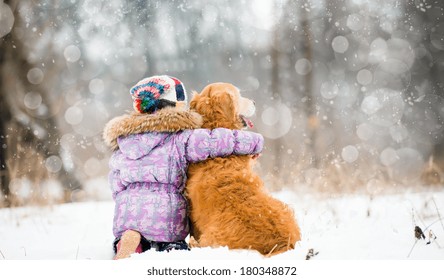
x: 153, y: 148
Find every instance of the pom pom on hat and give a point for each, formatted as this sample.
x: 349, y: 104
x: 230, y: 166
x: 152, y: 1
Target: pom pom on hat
x: 156, y: 92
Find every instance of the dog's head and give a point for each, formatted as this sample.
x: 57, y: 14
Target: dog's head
x: 221, y: 105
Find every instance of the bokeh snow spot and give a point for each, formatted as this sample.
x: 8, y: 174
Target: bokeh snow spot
x: 74, y: 115
x: 329, y: 90
x: 276, y: 121
x: 6, y: 19
x: 32, y: 100
x: 53, y: 164
x: 388, y: 156
x: 340, y: 44
x: 72, y: 53
x: 355, y: 22
x: 364, y: 131
x: 96, y: 86
x: 303, y: 66
x: 364, y: 77
x: 35, y: 76
x: 350, y: 153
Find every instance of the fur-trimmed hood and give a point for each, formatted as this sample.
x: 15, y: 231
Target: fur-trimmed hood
x: 166, y: 120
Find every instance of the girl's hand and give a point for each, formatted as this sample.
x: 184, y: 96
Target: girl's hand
x: 254, y: 157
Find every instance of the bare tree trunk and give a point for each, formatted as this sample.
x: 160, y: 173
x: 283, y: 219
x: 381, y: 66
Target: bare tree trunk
x: 313, y: 121
x: 5, y: 117
x: 14, y: 67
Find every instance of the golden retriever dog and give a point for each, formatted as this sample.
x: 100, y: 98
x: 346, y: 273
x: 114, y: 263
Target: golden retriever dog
x: 229, y: 205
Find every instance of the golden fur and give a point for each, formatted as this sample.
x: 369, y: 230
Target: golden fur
x: 229, y: 205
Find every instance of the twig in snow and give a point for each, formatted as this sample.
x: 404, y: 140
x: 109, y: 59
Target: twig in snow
x: 432, y: 237
x: 437, y: 211
x: 415, y: 213
x: 411, y: 250
x: 416, y: 231
x: 439, y: 220
x: 416, y: 241
x: 311, y: 253
x: 77, y: 254
x: 2, y: 255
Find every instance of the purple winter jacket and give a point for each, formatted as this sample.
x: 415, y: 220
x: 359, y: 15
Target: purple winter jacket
x: 148, y: 176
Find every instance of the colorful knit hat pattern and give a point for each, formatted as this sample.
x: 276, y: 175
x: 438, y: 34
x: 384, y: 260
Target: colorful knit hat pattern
x: 148, y: 93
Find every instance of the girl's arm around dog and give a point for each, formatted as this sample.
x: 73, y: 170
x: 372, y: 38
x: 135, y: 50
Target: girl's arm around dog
x: 203, y: 143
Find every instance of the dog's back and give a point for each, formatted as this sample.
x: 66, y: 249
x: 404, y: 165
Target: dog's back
x: 231, y: 208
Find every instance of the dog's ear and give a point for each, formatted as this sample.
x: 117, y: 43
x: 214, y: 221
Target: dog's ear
x: 223, y: 103
x: 207, y: 90
x: 194, y: 100
x: 198, y: 97
x: 199, y: 103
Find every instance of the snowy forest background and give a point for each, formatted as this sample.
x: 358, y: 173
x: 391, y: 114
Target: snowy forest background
x: 349, y: 93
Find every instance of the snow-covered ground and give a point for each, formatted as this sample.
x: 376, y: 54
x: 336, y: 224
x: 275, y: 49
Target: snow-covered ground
x: 345, y: 227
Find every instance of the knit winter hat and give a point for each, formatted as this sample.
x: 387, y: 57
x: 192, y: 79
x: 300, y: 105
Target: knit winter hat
x: 157, y: 92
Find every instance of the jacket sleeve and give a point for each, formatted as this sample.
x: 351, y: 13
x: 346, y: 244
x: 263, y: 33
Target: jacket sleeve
x: 220, y: 142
